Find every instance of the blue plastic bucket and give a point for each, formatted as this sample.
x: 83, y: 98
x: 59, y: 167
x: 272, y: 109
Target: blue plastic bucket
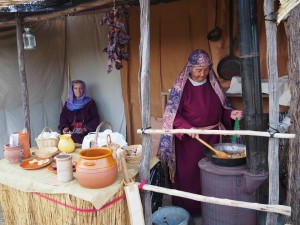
x: 171, y: 215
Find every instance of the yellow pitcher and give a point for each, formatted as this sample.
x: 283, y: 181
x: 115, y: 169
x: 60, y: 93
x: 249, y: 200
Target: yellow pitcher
x: 66, y: 143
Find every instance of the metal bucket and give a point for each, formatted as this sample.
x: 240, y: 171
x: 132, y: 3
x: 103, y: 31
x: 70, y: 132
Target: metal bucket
x: 171, y: 215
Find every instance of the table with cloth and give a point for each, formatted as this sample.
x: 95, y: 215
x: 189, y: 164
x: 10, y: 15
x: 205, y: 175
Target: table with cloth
x: 35, y: 197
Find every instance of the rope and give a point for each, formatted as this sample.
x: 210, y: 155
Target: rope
x: 143, y: 129
x: 88, y: 210
x: 80, y: 209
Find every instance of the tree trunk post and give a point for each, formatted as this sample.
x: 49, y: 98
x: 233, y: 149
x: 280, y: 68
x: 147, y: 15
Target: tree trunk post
x: 273, y: 156
x: 144, y: 75
x: 22, y: 73
x: 293, y: 35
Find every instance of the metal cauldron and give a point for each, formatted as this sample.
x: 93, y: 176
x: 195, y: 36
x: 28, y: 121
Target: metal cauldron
x: 230, y: 148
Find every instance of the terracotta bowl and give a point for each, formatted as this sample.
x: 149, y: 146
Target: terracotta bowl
x: 96, y: 168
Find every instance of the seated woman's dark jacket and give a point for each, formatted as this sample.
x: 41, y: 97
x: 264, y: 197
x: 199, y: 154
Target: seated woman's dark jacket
x: 88, y: 115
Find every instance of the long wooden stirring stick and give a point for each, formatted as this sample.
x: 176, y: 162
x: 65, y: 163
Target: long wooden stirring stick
x: 219, y: 154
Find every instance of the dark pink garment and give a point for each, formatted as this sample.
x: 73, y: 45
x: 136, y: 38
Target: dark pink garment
x: 199, y: 107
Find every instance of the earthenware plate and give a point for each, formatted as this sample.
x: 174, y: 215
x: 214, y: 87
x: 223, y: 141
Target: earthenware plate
x: 33, y: 166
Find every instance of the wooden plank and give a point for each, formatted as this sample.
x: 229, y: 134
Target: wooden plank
x: 22, y: 74
x: 273, y: 156
x: 216, y: 132
x: 282, y: 209
x: 144, y: 75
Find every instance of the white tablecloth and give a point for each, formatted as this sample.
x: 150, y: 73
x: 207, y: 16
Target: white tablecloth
x: 44, y: 181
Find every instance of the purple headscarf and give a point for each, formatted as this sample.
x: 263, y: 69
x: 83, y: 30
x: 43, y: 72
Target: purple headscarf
x: 166, y: 150
x: 72, y: 102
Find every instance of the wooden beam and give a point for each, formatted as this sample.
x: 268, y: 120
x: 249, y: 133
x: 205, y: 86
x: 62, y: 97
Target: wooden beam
x: 22, y: 73
x: 273, y: 156
x: 282, y: 209
x: 217, y: 132
x: 144, y: 94
x: 48, y: 16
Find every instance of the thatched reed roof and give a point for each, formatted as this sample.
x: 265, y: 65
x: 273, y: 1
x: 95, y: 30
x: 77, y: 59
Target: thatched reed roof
x: 285, y: 7
x: 8, y: 3
x: 33, y: 11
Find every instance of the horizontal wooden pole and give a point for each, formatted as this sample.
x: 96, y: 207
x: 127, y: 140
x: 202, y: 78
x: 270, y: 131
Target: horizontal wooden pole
x: 215, y: 132
x: 280, y: 209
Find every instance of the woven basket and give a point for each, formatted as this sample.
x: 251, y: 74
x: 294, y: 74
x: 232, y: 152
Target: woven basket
x: 94, y: 143
x: 130, y: 154
x: 46, y: 142
x: 110, y: 145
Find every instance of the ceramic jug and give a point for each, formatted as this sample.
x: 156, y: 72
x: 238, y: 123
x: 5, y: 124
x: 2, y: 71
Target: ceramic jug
x: 66, y: 143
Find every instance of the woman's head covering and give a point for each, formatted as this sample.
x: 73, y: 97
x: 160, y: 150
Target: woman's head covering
x: 166, y: 150
x: 72, y: 102
x: 199, y: 58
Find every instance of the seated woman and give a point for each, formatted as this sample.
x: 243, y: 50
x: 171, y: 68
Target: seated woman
x: 79, y: 115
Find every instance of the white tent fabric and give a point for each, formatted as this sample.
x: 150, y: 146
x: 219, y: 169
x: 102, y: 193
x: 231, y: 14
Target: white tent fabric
x: 75, y: 40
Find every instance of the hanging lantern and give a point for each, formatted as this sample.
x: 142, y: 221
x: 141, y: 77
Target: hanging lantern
x: 28, y: 39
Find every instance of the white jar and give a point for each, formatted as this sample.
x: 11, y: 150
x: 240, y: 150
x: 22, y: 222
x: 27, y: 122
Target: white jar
x: 64, y: 167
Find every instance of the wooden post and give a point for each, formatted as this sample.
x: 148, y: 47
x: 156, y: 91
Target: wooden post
x: 273, y: 158
x: 144, y: 75
x: 293, y: 35
x: 22, y: 73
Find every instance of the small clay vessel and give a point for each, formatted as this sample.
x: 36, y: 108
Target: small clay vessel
x: 13, y: 154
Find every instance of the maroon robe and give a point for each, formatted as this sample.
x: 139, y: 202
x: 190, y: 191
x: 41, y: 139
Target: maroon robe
x: 88, y: 115
x: 199, y: 107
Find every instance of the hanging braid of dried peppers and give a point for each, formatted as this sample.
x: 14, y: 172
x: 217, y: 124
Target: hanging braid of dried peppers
x: 117, y: 36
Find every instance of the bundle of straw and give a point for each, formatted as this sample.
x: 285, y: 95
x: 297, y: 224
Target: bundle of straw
x: 28, y: 208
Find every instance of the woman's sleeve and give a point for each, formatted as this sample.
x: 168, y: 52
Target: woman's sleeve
x: 94, y: 118
x: 63, y: 120
x: 226, y: 119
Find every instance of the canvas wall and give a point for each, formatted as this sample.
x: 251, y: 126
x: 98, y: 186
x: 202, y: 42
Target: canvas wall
x: 75, y: 40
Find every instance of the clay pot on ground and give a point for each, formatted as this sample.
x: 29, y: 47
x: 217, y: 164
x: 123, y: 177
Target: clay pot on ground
x: 14, y: 154
x: 96, y: 168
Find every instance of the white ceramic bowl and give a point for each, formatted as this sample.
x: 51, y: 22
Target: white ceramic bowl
x: 46, y: 152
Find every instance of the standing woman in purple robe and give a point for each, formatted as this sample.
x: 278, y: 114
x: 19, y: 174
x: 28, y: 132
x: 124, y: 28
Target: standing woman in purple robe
x: 197, y: 101
x: 79, y: 115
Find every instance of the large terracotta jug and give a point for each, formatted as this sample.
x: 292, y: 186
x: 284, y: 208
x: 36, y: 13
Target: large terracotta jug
x: 96, y: 168
x: 66, y: 143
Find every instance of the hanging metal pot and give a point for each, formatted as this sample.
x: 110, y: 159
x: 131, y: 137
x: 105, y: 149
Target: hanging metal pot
x: 229, y: 66
x: 215, y: 34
